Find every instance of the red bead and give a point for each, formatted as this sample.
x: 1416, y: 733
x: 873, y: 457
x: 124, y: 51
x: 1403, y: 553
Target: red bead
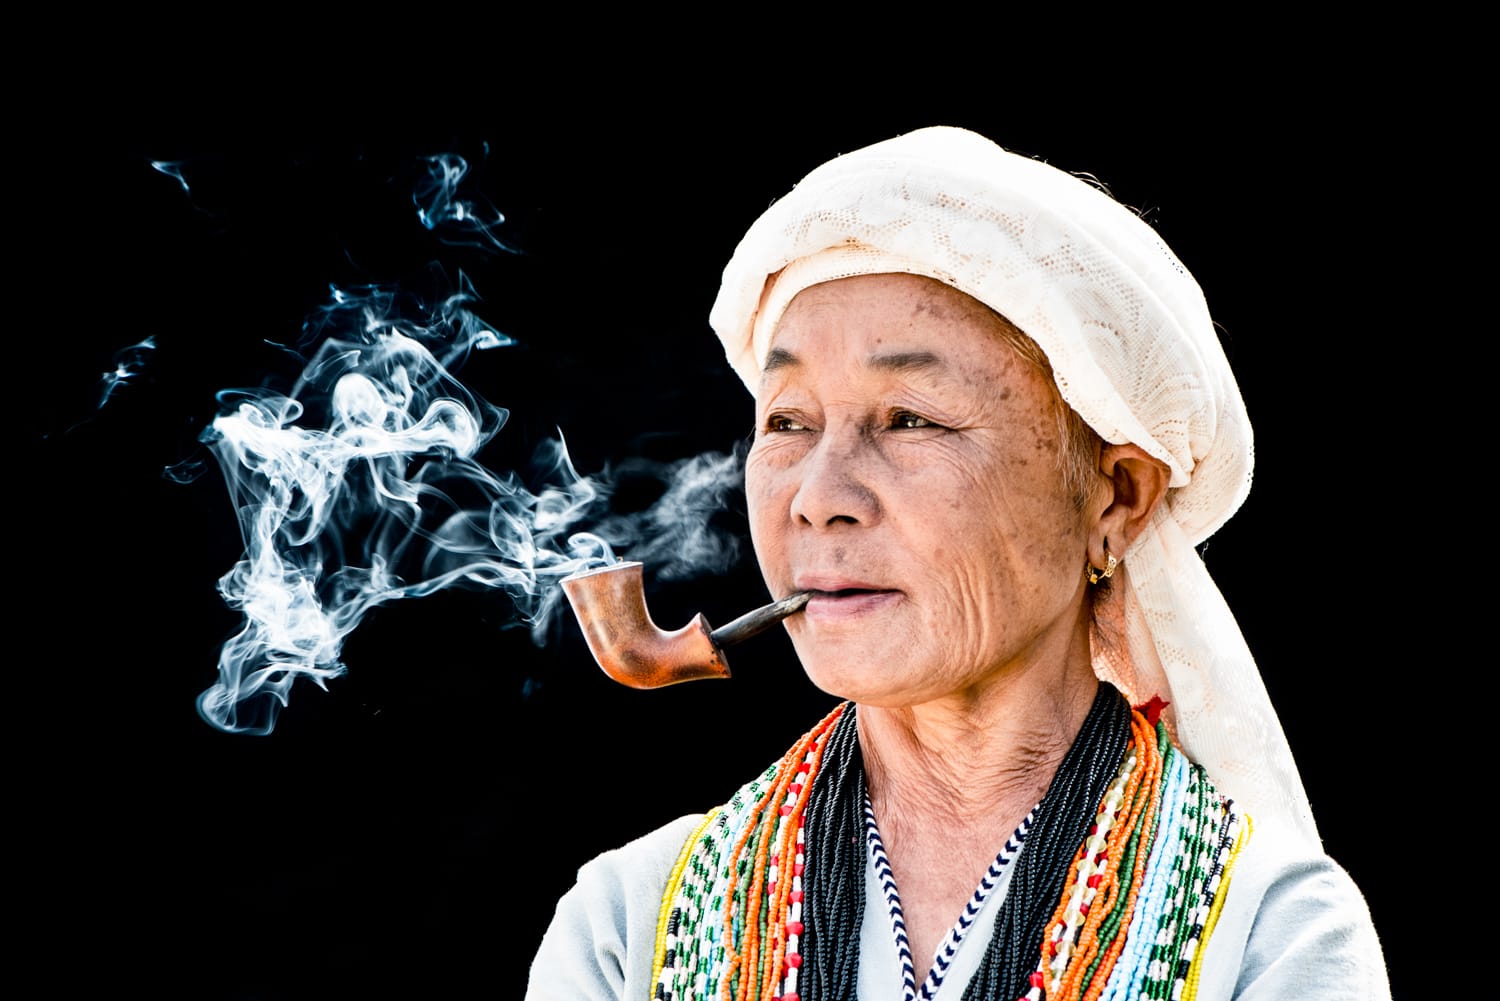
x: 1036, y: 979
x: 794, y: 927
x: 786, y: 811
x: 790, y: 997
x: 794, y: 789
x: 797, y: 869
x: 796, y: 896
x: 1094, y: 879
x: 805, y: 767
x: 794, y: 960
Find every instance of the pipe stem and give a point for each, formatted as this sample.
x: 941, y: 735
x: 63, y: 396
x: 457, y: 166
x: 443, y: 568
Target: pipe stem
x: 759, y: 620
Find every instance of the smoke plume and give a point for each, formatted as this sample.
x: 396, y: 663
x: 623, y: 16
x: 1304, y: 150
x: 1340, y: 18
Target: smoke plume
x: 361, y: 484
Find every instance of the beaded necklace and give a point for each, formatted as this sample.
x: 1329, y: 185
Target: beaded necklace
x: 730, y: 923
x: 766, y: 899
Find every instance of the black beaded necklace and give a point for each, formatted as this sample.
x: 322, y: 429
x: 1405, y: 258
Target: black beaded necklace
x: 834, y: 823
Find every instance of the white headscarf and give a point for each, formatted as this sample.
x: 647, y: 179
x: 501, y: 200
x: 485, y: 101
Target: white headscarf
x: 1134, y: 352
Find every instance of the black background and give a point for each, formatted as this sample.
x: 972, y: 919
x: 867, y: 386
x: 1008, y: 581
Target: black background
x: 408, y: 830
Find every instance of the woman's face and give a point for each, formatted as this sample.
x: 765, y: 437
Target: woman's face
x: 906, y: 468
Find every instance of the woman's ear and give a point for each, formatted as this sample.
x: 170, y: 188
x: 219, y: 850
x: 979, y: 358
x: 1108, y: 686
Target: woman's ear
x: 1138, y: 483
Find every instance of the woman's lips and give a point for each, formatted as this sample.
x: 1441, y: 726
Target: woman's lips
x: 845, y: 601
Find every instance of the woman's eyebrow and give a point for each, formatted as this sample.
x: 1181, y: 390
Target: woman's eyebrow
x: 904, y: 361
x: 894, y: 361
x: 779, y: 358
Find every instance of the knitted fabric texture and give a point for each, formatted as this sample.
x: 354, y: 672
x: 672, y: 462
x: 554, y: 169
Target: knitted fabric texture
x: 1133, y: 350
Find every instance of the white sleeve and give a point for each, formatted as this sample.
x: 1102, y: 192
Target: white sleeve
x: 1294, y: 925
x: 600, y: 944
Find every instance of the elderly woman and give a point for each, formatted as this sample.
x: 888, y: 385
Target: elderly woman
x: 992, y: 422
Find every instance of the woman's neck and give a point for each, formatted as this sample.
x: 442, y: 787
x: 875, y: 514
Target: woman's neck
x: 950, y: 781
x: 967, y: 757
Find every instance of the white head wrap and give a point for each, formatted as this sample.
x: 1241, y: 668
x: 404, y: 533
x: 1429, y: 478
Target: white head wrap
x: 1133, y: 351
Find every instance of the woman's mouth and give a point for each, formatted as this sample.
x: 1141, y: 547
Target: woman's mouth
x: 833, y: 604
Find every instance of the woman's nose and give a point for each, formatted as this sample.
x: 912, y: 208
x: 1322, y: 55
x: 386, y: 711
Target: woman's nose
x: 835, y: 483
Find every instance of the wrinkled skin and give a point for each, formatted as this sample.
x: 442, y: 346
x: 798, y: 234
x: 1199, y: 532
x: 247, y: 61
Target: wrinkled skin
x: 906, y: 466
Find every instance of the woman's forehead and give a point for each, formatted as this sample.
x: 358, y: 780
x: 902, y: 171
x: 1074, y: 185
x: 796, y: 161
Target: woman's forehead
x: 895, y: 293
x: 887, y: 323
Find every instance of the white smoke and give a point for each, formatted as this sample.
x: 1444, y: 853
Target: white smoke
x: 677, y: 536
x: 129, y: 363
x: 361, y: 484
x: 443, y: 208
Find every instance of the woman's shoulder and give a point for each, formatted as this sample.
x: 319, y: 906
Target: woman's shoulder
x: 1293, y: 920
x: 593, y: 948
x: 633, y: 875
x: 645, y: 860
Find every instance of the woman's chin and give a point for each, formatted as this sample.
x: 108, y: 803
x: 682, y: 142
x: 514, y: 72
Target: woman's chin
x: 869, y: 692
x: 870, y: 675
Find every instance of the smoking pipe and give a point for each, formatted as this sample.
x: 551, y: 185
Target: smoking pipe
x: 610, y: 603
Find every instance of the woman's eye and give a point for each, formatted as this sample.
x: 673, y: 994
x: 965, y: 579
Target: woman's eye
x: 903, y: 420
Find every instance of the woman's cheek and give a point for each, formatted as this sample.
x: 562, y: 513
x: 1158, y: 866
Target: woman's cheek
x: 757, y: 476
x: 767, y: 511
x: 770, y: 468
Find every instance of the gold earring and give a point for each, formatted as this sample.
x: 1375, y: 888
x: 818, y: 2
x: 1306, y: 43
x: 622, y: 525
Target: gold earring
x: 1109, y: 567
